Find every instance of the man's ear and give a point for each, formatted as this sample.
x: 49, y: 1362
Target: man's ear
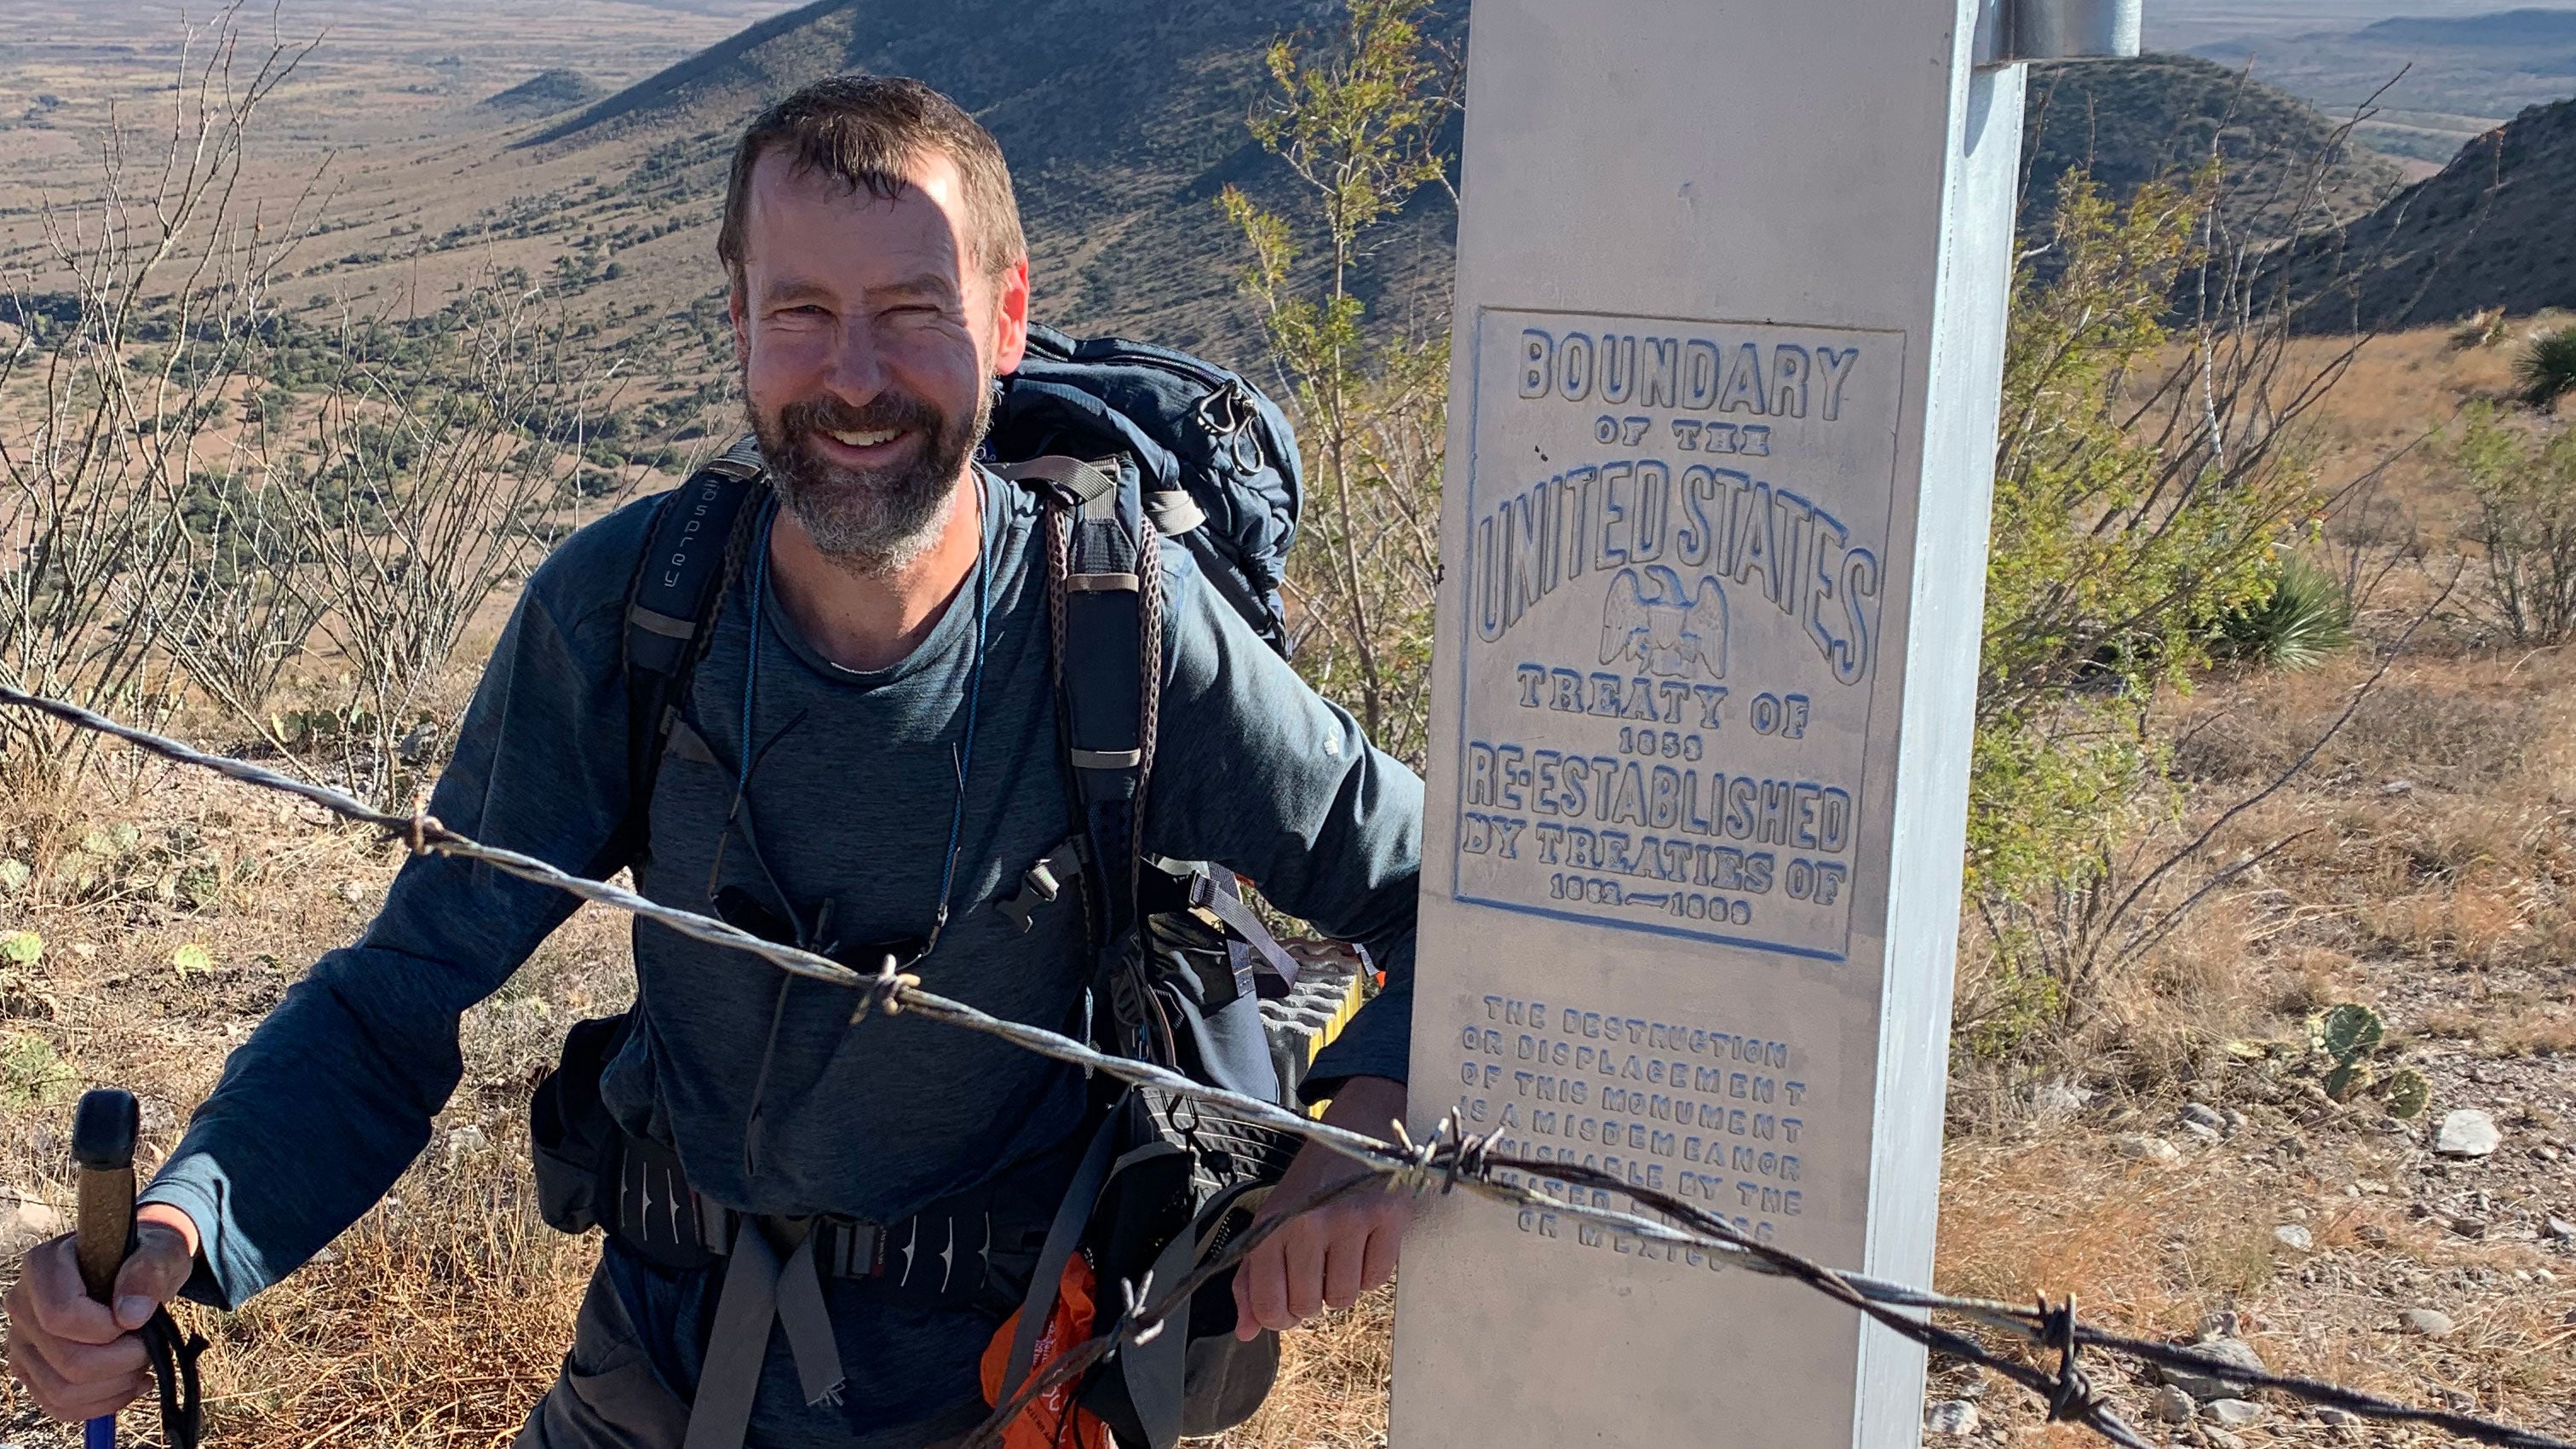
x: 737, y: 307
x: 1011, y: 318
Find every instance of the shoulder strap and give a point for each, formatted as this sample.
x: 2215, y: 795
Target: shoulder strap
x: 678, y: 582
x: 1108, y: 620
x: 1104, y: 602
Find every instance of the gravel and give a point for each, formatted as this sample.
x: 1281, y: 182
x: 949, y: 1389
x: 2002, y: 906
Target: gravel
x: 2234, y: 1413
x: 2142, y: 1148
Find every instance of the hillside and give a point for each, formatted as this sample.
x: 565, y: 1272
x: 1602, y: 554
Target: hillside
x: 1120, y: 136
x: 2132, y: 120
x: 2547, y: 38
x: 2491, y: 230
x: 544, y: 93
x: 1122, y: 124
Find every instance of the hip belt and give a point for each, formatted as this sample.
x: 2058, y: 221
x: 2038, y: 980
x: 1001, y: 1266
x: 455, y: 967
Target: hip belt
x: 976, y: 1247
x: 954, y: 1249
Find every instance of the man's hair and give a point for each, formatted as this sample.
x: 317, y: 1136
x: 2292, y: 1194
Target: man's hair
x: 865, y: 130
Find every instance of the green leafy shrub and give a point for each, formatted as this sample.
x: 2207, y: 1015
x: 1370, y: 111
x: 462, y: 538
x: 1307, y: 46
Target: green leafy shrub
x: 1359, y: 120
x: 2546, y: 370
x: 2524, y: 479
x: 2135, y: 506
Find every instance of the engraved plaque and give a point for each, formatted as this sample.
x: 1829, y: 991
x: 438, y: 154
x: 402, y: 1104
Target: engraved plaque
x: 1676, y: 570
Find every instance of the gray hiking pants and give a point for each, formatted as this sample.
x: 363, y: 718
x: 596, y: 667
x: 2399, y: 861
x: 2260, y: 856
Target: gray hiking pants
x: 609, y: 1397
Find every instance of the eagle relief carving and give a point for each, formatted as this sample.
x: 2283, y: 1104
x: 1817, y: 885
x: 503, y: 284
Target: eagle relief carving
x: 1651, y: 619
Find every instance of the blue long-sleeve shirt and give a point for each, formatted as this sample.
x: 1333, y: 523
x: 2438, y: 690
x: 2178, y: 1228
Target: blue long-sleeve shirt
x: 850, y: 800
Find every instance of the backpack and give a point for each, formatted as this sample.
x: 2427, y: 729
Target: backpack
x: 1127, y: 443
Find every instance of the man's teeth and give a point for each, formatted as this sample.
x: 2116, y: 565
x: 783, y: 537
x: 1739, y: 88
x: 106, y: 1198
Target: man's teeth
x: 867, y: 439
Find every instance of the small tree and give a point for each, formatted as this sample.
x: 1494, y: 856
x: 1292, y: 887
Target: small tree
x: 2152, y: 480
x: 2124, y: 525
x: 1359, y: 125
x: 2526, y: 490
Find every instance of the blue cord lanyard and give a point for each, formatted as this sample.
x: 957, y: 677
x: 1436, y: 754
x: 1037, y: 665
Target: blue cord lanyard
x: 962, y: 755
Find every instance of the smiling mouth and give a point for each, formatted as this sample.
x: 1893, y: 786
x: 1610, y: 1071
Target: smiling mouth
x: 868, y: 438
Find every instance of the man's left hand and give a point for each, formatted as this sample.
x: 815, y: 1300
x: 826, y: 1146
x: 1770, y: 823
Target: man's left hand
x: 1337, y: 1252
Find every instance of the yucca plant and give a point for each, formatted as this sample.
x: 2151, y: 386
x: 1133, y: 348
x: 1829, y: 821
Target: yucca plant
x: 2304, y: 619
x: 2547, y: 368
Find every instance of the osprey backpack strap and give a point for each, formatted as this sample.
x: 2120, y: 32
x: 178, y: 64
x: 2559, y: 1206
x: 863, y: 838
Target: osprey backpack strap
x: 1104, y: 607
x: 669, y: 605
x: 1105, y: 604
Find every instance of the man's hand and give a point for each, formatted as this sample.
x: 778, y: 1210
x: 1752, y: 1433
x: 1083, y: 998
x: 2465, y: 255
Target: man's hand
x: 1339, y: 1251
x: 78, y: 1358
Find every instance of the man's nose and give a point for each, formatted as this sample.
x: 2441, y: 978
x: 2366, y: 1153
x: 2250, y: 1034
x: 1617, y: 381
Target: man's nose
x: 855, y: 372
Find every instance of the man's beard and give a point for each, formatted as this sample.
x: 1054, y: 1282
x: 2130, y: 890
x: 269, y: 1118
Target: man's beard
x: 870, y: 520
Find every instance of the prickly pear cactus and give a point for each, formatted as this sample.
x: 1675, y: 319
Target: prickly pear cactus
x: 2346, y: 1079
x: 2348, y: 1033
x: 2407, y: 1092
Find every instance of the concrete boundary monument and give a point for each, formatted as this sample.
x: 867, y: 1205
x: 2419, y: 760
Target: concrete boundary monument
x: 1729, y: 336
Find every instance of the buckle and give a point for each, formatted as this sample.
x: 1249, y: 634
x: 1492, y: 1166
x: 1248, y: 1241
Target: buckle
x: 1040, y: 884
x: 851, y: 1249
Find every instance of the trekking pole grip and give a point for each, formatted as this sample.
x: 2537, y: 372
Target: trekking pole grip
x: 103, y: 1133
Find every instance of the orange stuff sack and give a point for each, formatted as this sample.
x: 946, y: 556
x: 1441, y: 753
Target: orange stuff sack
x: 1041, y: 1425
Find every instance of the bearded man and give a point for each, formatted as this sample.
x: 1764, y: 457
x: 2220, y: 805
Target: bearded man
x: 868, y: 753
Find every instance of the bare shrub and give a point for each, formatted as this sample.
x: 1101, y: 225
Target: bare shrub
x: 242, y: 612
x: 133, y: 330
x: 2156, y: 473
x: 435, y: 456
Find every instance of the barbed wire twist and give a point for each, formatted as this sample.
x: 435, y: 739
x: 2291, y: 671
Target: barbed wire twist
x: 1450, y: 1159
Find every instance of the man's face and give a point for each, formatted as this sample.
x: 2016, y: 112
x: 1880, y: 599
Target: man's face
x: 869, y: 341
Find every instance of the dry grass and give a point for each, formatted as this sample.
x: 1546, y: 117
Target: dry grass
x: 1333, y: 1378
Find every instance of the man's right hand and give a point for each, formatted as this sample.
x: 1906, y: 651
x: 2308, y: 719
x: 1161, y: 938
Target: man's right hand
x: 78, y: 1359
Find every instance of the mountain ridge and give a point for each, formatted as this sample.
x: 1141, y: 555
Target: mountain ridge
x: 2491, y: 229
x: 1121, y: 136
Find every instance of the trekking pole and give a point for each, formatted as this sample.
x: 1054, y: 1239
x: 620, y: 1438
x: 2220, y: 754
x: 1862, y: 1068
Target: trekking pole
x: 103, y: 1133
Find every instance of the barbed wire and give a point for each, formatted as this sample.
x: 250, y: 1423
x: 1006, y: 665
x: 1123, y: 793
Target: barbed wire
x: 1450, y: 1160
